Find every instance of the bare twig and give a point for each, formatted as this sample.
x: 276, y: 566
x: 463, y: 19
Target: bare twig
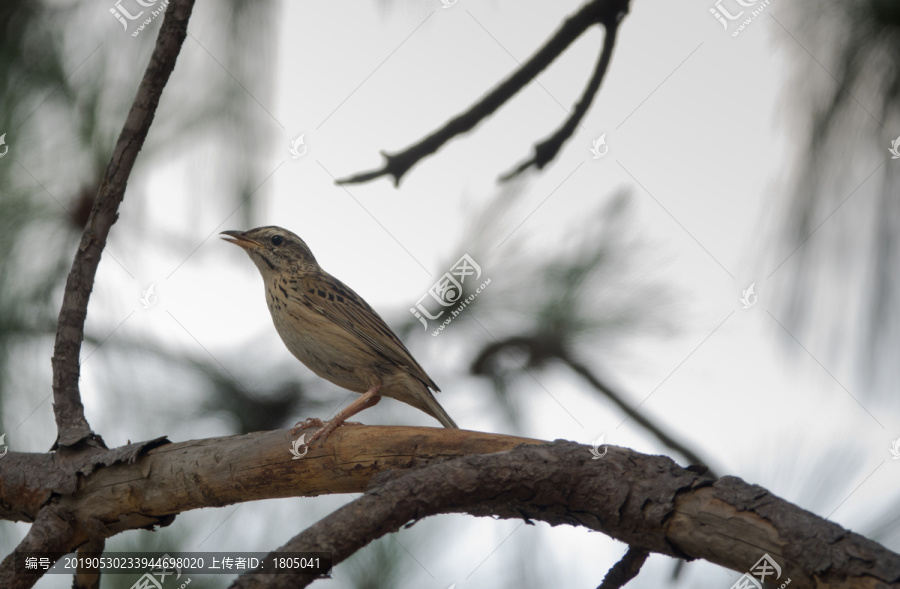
x: 396, y: 165
x: 545, y: 151
x: 626, y: 569
x: 70, y: 420
x: 645, y: 501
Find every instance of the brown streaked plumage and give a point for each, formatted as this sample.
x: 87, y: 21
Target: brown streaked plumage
x: 332, y: 330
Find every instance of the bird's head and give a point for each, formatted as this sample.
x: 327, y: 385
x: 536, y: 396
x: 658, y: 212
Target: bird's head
x: 274, y: 250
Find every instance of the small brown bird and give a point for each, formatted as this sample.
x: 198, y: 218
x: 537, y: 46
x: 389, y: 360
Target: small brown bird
x: 332, y: 330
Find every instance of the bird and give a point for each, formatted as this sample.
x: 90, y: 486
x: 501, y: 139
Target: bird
x: 333, y: 331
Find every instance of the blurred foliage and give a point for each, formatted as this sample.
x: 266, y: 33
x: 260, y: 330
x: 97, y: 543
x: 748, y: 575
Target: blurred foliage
x: 580, y: 301
x: 378, y: 565
x: 67, y: 79
x: 40, y: 53
x: 854, y: 115
x: 261, y: 410
x: 31, y: 71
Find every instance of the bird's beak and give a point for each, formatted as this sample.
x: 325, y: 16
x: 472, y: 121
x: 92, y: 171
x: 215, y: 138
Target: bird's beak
x: 240, y: 238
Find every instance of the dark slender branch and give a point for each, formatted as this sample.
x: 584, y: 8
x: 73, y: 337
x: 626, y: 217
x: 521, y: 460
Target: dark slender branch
x: 626, y: 569
x: 645, y: 501
x: 70, y: 420
x: 545, y: 151
x: 644, y: 422
x: 398, y: 164
x: 542, y: 348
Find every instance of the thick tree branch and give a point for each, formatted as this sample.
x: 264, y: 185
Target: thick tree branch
x: 28, y: 482
x: 545, y: 151
x: 29, y: 486
x: 592, y: 13
x: 171, y: 478
x: 648, y: 502
x: 70, y: 420
x: 145, y: 485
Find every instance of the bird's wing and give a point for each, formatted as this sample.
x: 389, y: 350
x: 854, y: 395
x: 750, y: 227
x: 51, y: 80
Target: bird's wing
x: 341, y: 305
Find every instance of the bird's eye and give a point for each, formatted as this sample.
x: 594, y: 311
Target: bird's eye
x: 277, y: 239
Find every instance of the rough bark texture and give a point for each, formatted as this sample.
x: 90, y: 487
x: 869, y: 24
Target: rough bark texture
x: 744, y: 521
x: 223, y: 471
x: 648, y: 502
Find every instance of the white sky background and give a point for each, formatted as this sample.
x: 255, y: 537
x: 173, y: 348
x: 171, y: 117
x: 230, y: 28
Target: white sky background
x: 701, y: 121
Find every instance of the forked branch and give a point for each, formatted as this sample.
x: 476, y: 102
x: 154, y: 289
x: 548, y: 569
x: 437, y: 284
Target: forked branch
x: 545, y: 151
x: 606, y: 12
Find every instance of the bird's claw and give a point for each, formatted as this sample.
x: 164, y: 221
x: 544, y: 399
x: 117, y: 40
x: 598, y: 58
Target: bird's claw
x: 325, y: 427
x: 311, y: 422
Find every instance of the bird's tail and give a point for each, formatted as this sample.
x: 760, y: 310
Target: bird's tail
x: 435, y: 410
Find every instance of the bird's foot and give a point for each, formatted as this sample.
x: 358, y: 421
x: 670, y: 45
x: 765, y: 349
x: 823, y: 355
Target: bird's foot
x: 311, y: 422
x: 325, y: 427
x: 328, y: 427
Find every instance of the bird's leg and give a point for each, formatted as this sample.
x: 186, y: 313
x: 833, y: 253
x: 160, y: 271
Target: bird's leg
x: 368, y: 399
